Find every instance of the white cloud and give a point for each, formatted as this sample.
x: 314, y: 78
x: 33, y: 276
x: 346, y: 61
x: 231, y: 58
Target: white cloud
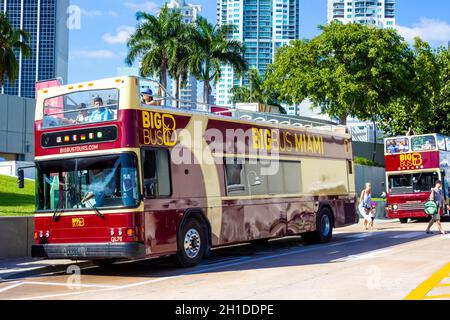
x: 148, y: 6
x: 431, y: 30
x: 93, y: 54
x: 91, y: 13
x: 122, y: 35
x: 113, y: 14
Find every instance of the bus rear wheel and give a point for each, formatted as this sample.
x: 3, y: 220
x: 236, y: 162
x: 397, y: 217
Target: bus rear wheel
x: 403, y: 220
x: 324, y: 225
x: 191, y: 244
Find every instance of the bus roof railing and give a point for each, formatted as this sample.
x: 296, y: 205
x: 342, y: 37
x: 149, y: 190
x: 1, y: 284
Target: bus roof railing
x: 226, y: 111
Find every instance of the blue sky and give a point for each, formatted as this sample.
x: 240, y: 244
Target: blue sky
x: 97, y: 39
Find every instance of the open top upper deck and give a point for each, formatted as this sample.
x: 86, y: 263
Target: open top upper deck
x: 415, y: 153
x: 108, y: 114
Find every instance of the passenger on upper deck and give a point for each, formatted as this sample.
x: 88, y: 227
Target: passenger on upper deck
x: 101, y: 113
x: 147, y: 98
x: 83, y: 115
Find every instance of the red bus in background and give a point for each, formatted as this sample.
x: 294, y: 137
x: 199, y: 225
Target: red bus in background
x: 413, y: 165
x: 120, y: 180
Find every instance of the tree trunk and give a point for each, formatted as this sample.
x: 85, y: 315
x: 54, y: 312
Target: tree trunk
x: 163, y: 81
x: 206, y: 93
x: 374, y: 138
x: 177, y: 92
x: 343, y: 120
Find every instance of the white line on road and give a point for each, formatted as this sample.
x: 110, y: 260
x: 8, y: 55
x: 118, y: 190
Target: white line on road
x: 365, y: 235
x: 11, y: 287
x: 409, y: 235
x: 67, y: 284
x: 369, y: 255
x: 234, y: 263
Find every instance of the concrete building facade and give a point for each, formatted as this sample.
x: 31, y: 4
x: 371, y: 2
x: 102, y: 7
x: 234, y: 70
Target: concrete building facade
x: 17, y: 128
x: 379, y: 13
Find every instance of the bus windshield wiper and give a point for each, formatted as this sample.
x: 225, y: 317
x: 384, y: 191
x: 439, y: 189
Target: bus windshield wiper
x: 86, y: 199
x: 57, y: 214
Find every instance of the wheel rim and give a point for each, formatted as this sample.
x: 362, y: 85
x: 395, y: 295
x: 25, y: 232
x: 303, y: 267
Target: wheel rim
x: 192, y: 243
x: 326, y: 225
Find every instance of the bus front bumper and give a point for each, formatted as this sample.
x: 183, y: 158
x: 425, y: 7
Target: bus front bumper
x: 89, y: 251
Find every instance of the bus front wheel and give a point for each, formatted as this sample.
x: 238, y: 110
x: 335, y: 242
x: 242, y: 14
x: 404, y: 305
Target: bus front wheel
x: 403, y: 220
x: 324, y: 225
x: 191, y: 244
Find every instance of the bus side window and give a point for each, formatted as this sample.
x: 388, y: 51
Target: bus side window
x: 156, y: 173
x: 234, y: 172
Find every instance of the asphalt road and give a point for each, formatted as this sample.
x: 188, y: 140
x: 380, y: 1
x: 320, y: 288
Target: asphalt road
x: 389, y: 262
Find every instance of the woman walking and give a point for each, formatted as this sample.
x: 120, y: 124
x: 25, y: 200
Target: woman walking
x: 365, y: 205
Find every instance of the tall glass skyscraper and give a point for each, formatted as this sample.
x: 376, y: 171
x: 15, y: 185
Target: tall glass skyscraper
x: 379, y: 13
x: 263, y: 26
x: 45, y: 21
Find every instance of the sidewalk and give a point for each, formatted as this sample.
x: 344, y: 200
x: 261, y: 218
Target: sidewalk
x: 27, y: 267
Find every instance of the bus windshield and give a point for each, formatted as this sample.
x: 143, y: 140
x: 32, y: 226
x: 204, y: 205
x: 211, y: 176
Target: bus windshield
x: 87, y: 183
x: 80, y: 108
x: 412, y: 183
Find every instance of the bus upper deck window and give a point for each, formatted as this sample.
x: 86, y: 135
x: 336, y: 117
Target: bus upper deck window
x: 77, y: 108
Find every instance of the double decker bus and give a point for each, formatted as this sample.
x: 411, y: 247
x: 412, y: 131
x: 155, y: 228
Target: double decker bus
x: 120, y: 180
x: 413, y: 165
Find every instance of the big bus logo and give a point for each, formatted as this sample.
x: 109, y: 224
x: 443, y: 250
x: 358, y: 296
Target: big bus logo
x: 411, y: 160
x: 159, y: 129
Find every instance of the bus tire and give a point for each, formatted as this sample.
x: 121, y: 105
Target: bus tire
x: 192, y: 244
x: 324, y: 225
x: 403, y: 220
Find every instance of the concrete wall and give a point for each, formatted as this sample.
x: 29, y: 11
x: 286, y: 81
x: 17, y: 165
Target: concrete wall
x: 365, y: 150
x: 9, y: 168
x: 374, y: 175
x: 17, y: 126
x: 16, y: 237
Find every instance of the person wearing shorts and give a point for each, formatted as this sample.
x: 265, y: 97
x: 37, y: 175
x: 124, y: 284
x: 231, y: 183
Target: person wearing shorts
x: 365, y: 205
x: 438, y: 197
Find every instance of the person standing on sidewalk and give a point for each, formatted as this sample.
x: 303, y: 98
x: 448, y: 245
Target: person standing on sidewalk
x: 437, y: 196
x: 365, y: 205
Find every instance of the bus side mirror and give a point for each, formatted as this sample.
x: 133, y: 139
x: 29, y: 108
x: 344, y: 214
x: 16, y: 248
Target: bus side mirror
x: 384, y: 195
x: 21, y: 179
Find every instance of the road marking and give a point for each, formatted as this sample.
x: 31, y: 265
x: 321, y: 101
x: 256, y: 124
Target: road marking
x: 425, y: 287
x: 366, y: 235
x: 409, y: 235
x: 369, y: 255
x: 67, y: 284
x: 11, y: 287
x: 234, y: 263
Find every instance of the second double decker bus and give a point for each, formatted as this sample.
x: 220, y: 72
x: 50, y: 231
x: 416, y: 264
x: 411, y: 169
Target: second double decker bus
x: 413, y: 165
x: 120, y: 180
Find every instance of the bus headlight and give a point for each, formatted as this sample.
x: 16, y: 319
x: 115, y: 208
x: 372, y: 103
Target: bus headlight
x: 395, y: 207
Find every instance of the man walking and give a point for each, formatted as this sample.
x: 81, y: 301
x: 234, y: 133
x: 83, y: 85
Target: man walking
x: 437, y: 196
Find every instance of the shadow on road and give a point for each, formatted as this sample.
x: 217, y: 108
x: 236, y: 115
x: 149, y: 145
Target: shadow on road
x: 286, y: 252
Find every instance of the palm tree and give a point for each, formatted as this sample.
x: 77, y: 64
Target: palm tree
x: 258, y: 91
x: 10, y: 40
x: 155, y: 42
x: 213, y: 48
x: 180, y: 57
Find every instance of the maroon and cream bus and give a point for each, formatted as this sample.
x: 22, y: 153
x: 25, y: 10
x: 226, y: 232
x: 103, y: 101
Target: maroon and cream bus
x: 119, y: 180
x: 413, y: 165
